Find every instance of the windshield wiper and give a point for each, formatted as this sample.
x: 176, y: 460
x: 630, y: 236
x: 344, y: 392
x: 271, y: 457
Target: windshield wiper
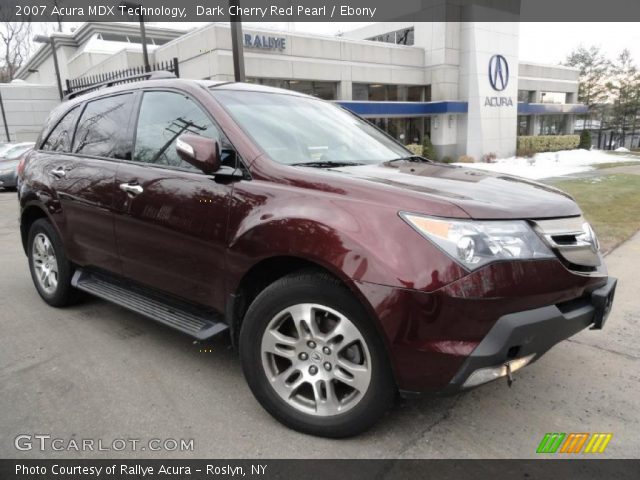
x: 411, y: 158
x: 326, y: 164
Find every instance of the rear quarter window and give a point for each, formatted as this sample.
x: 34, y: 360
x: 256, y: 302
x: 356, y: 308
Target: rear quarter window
x: 59, y: 140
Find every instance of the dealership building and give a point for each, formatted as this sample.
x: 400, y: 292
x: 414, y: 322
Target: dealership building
x: 460, y: 83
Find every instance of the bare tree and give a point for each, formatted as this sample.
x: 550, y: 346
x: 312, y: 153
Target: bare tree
x: 15, y: 43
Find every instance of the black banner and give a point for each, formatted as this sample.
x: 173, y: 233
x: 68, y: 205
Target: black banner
x: 318, y: 469
x: 320, y: 10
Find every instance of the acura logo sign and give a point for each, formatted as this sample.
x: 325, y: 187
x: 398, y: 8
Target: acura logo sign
x: 498, y: 73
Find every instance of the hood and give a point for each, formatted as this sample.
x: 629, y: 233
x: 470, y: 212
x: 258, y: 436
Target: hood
x: 481, y: 194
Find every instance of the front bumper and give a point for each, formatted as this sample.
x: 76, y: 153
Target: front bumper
x: 434, y: 338
x: 522, y: 338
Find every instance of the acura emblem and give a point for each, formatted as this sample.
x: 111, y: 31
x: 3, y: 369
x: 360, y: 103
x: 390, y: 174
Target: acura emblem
x: 498, y: 73
x: 589, y: 236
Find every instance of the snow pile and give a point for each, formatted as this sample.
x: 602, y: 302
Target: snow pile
x: 550, y: 164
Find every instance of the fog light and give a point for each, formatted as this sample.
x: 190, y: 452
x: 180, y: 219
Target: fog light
x: 484, y: 375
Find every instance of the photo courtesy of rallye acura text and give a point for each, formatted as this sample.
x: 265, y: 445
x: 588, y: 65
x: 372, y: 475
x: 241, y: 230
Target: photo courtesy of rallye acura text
x: 346, y: 270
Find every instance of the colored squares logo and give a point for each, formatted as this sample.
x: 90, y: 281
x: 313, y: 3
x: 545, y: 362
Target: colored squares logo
x: 574, y: 443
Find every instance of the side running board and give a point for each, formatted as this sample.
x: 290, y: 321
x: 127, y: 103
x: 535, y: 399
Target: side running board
x: 198, y: 323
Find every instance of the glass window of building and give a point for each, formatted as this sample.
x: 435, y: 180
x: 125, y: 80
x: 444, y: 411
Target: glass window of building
x: 415, y: 94
x: 526, y: 96
x: 377, y: 92
x: 551, y: 125
x: 524, y: 121
x: 323, y: 90
x: 553, y: 97
x: 405, y: 130
x: 301, y: 86
x: 360, y: 91
x: 399, y: 37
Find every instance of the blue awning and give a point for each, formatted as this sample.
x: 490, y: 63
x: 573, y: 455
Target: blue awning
x: 551, y: 108
x: 420, y: 109
x: 403, y: 109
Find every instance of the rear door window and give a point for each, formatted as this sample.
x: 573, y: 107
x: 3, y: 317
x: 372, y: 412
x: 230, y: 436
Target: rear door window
x: 59, y: 139
x: 103, y: 129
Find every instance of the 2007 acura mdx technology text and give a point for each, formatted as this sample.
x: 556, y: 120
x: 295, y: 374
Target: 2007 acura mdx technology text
x: 344, y: 268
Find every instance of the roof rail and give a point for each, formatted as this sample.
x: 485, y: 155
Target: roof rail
x: 157, y: 75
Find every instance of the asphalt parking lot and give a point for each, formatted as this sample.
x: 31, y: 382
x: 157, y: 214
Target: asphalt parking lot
x: 97, y: 371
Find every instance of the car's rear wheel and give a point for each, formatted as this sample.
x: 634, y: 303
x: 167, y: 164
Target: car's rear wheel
x: 50, y: 270
x: 313, y: 359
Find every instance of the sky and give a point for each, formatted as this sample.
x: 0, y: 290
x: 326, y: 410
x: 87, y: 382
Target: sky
x: 549, y: 42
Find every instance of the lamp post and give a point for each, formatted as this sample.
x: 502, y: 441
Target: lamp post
x: 143, y: 33
x: 4, y: 119
x: 50, y: 41
x: 236, y: 43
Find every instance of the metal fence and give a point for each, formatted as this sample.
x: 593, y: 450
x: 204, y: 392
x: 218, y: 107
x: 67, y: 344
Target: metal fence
x: 86, y: 82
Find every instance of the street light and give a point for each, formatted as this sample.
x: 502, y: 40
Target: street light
x: 50, y: 41
x: 143, y: 32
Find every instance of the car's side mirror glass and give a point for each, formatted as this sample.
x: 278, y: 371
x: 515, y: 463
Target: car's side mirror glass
x: 201, y: 152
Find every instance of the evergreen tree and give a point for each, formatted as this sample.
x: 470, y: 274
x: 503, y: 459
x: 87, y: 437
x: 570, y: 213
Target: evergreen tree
x: 624, y: 88
x: 585, y: 140
x: 427, y: 149
x: 594, y: 70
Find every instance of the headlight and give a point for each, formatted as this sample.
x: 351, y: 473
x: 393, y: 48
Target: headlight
x: 475, y: 243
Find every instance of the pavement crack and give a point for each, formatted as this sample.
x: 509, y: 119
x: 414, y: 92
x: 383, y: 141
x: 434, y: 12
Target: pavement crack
x: 615, y: 352
x: 416, y: 438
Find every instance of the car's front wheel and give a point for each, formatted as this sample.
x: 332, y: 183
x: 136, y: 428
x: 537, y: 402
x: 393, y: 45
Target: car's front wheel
x: 313, y: 359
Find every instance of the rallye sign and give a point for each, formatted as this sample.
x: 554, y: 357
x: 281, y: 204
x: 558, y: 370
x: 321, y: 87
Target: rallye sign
x: 264, y: 42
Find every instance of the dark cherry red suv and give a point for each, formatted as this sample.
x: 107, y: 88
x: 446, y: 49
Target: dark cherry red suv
x: 344, y: 268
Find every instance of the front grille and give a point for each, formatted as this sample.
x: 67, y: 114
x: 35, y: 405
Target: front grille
x: 573, y: 242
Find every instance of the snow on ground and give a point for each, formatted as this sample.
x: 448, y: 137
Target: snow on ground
x: 551, y: 164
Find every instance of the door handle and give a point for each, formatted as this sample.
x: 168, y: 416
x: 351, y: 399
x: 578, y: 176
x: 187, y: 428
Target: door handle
x: 58, y: 172
x: 131, y: 189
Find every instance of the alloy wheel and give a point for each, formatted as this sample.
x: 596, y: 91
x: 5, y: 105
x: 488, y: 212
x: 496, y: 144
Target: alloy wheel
x: 316, y: 359
x: 45, y: 263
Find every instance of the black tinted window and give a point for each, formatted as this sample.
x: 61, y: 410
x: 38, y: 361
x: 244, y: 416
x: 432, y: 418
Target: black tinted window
x: 102, y: 129
x: 59, y: 139
x: 163, y: 117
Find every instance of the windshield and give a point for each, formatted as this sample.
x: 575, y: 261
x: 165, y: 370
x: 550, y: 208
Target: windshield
x: 299, y: 130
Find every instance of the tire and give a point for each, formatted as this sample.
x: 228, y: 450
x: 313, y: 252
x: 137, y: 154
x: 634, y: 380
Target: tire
x: 338, y: 385
x: 51, y: 271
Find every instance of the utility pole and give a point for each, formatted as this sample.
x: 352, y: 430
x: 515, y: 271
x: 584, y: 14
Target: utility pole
x: 143, y: 32
x: 56, y: 66
x: 236, y: 43
x: 4, y: 118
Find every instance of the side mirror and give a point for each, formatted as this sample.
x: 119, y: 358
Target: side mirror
x: 201, y: 152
